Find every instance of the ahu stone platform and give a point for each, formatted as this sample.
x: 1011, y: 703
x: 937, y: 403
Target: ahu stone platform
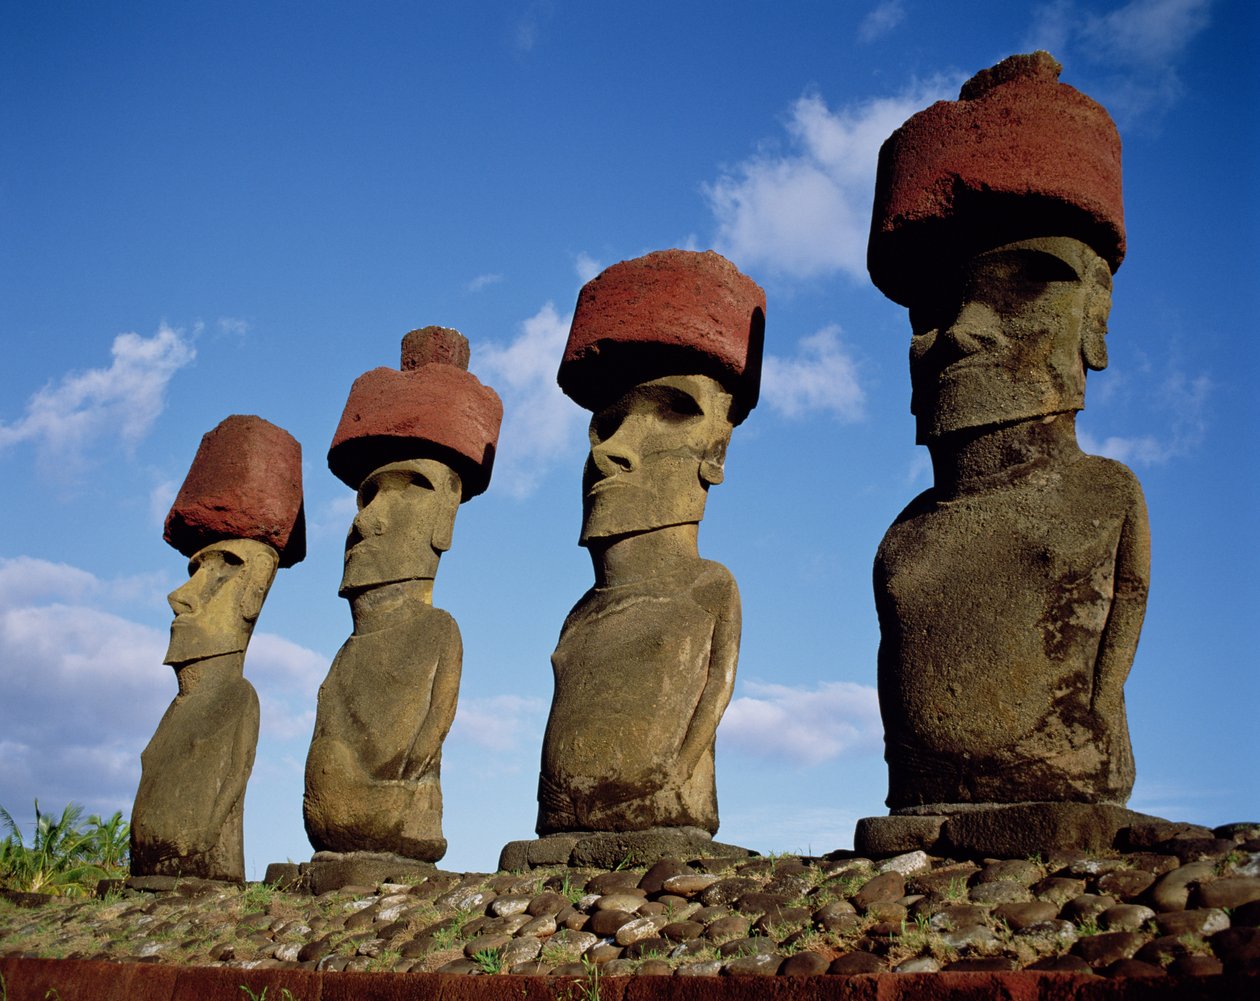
x: 1174, y: 912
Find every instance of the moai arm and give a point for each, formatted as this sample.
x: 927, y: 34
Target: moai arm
x: 241, y: 764
x: 443, y: 696
x: 1128, y: 606
x: 721, y: 597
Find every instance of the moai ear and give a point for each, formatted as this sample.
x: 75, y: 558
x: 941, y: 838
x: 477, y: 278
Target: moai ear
x: 1094, y: 322
x: 257, y: 570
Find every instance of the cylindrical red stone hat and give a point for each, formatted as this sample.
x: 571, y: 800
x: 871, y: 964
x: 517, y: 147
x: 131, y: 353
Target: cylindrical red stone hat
x: 671, y: 312
x: 433, y: 408
x: 1018, y: 155
x: 245, y: 483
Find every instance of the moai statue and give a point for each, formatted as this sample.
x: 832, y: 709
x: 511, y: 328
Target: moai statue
x: 665, y: 350
x: 414, y: 443
x: 1010, y: 594
x: 237, y: 517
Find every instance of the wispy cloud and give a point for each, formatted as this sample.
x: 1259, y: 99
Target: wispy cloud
x: 483, y: 281
x: 881, y: 19
x: 86, y: 686
x: 805, y: 726
x: 805, y: 211
x: 287, y: 677
x: 528, y: 27
x: 1134, y: 47
x: 587, y: 267
x: 821, y: 378
x: 331, y: 519
x: 500, y: 722
x: 232, y: 326
x: 1181, y: 416
x: 540, y: 423
x: 101, y: 405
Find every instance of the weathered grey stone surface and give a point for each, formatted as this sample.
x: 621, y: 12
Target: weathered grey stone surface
x: 613, y: 921
x: 608, y: 849
x: 654, y: 643
x: 238, y: 516
x: 333, y: 870
x: 373, y: 769
x: 1011, y: 594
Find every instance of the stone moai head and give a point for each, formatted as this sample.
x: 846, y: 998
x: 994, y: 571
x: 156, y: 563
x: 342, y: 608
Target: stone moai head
x: 237, y: 517
x: 998, y: 222
x: 666, y: 351
x: 414, y: 443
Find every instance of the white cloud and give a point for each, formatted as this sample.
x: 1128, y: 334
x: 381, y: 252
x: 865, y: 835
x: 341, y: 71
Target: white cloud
x: 1135, y: 47
x: 287, y: 677
x: 332, y: 518
x: 85, y: 687
x: 102, y: 404
x: 803, y: 726
x: 819, y: 379
x: 586, y: 267
x: 530, y: 24
x: 233, y: 326
x: 881, y: 19
x: 540, y: 424
x: 1144, y: 33
x: 806, y: 212
x: 500, y: 722
x: 483, y: 281
x: 161, y: 497
x: 84, y: 690
x: 1182, y: 402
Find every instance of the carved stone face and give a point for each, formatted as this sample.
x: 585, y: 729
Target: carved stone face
x: 654, y: 454
x: 406, y: 517
x: 216, y: 609
x: 1009, y: 336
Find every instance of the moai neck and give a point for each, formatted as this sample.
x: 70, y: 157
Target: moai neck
x: 981, y: 459
x: 210, y: 670
x: 629, y: 559
x: 379, y: 607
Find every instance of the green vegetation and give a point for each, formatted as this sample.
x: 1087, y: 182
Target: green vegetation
x: 256, y: 897
x: 67, y: 856
x: 285, y: 994
x: 489, y: 960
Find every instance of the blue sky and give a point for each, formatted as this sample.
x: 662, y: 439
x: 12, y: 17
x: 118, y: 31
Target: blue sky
x: 226, y: 208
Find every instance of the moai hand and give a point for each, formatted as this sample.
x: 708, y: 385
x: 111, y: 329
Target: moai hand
x: 237, y: 517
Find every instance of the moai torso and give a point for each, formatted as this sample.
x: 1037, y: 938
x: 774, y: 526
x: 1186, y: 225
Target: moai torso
x: 415, y: 443
x: 639, y: 670
x: 665, y: 350
x: 373, y: 771
x: 1008, y: 621
x: 190, y: 806
x: 1011, y: 594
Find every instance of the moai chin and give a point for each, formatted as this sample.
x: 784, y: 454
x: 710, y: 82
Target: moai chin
x: 238, y: 516
x: 414, y: 443
x: 1011, y: 593
x: 665, y: 350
